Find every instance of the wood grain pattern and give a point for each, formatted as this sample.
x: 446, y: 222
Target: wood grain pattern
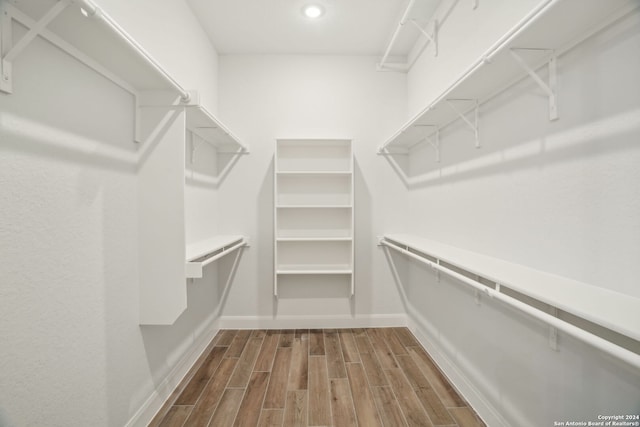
x: 319, y: 411
x: 277, y: 391
x: 250, y: 408
x: 295, y: 411
x: 315, y: 378
x: 388, y: 407
x: 211, y: 395
x: 341, y: 403
x: 366, y: 411
x: 333, y: 350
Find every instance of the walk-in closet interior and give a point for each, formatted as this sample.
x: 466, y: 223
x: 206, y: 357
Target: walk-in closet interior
x: 319, y: 212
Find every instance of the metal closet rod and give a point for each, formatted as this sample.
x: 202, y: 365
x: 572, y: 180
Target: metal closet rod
x: 403, y: 20
x: 95, y: 12
x: 608, y: 347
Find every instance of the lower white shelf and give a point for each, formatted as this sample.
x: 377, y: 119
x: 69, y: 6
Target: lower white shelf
x: 314, y: 269
x: 204, y: 252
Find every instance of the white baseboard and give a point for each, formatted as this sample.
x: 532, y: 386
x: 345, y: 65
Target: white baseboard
x: 422, y: 330
x: 313, y: 322
x: 156, y: 400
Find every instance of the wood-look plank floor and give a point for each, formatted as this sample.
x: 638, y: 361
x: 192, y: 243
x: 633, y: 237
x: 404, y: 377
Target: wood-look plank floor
x: 331, y: 377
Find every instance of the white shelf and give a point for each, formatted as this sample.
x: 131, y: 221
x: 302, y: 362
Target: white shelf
x: 313, y: 206
x: 313, y: 269
x: 314, y: 239
x: 205, y: 125
x: 615, y: 311
x: 199, y: 254
x: 314, y: 173
x: 547, y: 29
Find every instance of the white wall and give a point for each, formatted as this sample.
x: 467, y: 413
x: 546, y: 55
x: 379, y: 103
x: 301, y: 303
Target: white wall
x: 561, y: 197
x: 73, y: 353
x: 270, y: 97
x: 464, y: 35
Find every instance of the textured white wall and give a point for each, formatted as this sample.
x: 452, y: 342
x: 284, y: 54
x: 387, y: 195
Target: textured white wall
x: 269, y: 97
x: 463, y: 37
x: 560, y: 196
x: 73, y: 353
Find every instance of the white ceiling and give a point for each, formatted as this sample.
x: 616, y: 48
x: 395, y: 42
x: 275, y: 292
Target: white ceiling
x: 348, y: 27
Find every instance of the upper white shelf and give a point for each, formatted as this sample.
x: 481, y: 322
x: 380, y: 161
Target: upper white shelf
x: 554, y: 27
x: 87, y: 33
x: 612, y: 310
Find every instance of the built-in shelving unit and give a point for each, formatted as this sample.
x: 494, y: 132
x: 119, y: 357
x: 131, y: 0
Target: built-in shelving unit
x: 314, y: 207
x: 165, y: 113
x: 498, y: 279
x: 536, y: 41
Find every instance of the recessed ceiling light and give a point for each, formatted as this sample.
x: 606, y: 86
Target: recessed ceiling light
x: 313, y: 11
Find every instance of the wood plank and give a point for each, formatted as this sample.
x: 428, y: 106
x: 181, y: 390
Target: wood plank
x: 407, y: 399
x: 466, y: 417
x: 286, y: 337
x: 319, y: 411
x: 448, y: 395
x: 277, y: 391
x: 335, y: 362
x: 258, y: 333
x: 298, y: 374
x: 243, y: 371
x: 426, y: 394
x: 364, y: 344
x: 385, y: 356
x: 349, y: 347
x: 192, y: 391
x: 363, y: 402
x: 388, y: 407
x: 341, y: 403
x: 372, y: 368
x: 227, y: 409
x: 251, y: 406
x: 392, y: 341
x: 271, y: 418
x: 176, y: 416
x: 226, y: 337
x: 211, y: 395
x: 316, y: 342
x: 406, y: 337
x: 267, y: 352
x: 238, y: 343
x: 295, y: 411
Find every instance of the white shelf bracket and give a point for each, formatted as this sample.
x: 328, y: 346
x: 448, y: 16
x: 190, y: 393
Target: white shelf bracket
x: 474, y: 4
x: 473, y: 125
x: 433, y: 37
x: 550, y: 89
x: 11, y: 51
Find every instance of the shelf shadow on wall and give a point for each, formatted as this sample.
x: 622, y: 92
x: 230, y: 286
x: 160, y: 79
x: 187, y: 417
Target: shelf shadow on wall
x: 611, y: 133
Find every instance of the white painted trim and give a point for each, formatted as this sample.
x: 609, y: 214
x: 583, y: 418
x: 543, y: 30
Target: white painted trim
x: 163, y: 391
x: 313, y: 322
x: 427, y: 336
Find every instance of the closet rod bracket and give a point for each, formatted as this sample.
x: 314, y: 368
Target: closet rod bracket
x: 9, y: 50
x: 550, y: 88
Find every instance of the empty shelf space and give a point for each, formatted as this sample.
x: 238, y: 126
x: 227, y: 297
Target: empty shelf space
x: 314, y: 239
x: 541, y: 36
x: 612, y: 310
x: 314, y: 155
x: 202, y: 123
x: 314, y: 173
x: 202, y: 253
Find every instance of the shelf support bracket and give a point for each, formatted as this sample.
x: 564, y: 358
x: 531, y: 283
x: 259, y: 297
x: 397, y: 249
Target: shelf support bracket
x: 550, y: 89
x: 10, y: 51
x: 427, y: 138
x: 474, y: 4
x: 433, y: 38
x: 473, y: 125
